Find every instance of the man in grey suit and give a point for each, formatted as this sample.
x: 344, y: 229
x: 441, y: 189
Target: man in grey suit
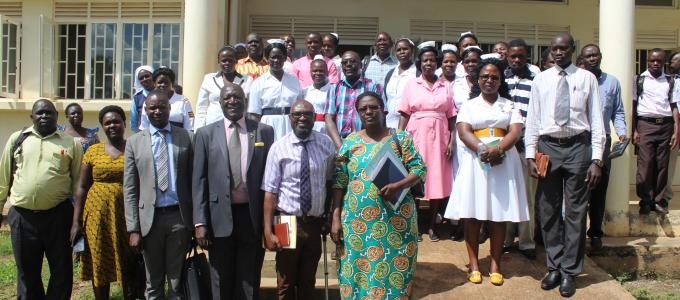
x: 228, y: 169
x: 157, y: 192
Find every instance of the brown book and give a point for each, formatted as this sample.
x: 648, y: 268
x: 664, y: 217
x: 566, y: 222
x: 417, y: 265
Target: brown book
x: 281, y: 232
x: 542, y: 161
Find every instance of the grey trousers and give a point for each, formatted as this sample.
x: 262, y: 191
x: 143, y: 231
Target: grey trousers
x: 165, y: 248
x: 524, y: 230
x: 564, y: 184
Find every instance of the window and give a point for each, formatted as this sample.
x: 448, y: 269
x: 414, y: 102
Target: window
x: 115, y: 51
x: 660, y: 3
x: 9, y: 58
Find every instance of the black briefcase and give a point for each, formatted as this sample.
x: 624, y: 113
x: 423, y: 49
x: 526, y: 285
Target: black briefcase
x: 196, y: 275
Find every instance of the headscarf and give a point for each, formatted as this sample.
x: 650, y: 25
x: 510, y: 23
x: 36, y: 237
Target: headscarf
x: 138, y: 85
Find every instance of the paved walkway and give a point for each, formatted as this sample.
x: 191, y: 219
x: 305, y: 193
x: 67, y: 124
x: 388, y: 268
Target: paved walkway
x: 442, y: 274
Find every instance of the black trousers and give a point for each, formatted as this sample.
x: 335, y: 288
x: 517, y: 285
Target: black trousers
x: 652, y: 161
x: 36, y: 234
x: 564, y: 237
x: 236, y: 261
x: 599, y: 195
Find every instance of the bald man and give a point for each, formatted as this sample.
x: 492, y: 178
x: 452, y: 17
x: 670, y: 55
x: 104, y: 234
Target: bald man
x: 297, y: 175
x: 39, y: 172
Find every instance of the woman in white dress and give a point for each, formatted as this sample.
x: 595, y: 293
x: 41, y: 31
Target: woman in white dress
x: 491, y: 187
x: 316, y: 93
x: 272, y: 93
x: 181, y: 114
x: 396, y: 79
x: 208, y: 108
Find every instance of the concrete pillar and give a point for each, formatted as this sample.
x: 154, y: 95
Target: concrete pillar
x: 617, y: 42
x: 203, y: 36
x: 31, y: 50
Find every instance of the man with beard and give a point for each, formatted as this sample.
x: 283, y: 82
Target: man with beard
x: 655, y: 131
x: 254, y: 65
x: 157, y: 196
x: 39, y: 171
x: 612, y: 111
x: 382, y: 61
x: 227, y: 176
x: 295, y: 181
x: 302, y: 65
x: 564, y: 121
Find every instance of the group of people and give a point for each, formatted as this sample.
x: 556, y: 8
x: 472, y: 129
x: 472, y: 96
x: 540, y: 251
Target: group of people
x: 275, y: 135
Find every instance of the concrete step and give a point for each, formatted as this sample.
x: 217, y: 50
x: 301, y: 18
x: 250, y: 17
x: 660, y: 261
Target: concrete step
x: 655, y: 225
x: 631, y: 256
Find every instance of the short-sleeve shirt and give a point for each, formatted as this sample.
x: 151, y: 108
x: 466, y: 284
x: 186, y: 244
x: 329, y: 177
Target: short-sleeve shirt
x: 268, y: 92
x: 419, y: 97
x: 480, y: 114
x: 301, y: 70
x: 249, y: 67
x: 341, y: 99
x: 654, y: 100
x: 377, y: 69
x: 181, y: 113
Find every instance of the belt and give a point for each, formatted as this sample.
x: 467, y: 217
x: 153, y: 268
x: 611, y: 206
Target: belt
x: 166, y: 209
x: 428, y: 114
x: 308, y: 219
x: 320, y: 118
x: 581, y: 137
x: 659, y: 120
x: 490, y: 132
x: 41, y: 211
x: 267, y: 111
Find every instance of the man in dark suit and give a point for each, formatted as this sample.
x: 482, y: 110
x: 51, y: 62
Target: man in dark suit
x: 157, y: 193
x: 228, y: 168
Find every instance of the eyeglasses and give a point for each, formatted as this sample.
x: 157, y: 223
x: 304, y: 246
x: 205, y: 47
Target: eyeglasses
x: 299, y: 114
x: 489, y: 77
x: 365, y: 108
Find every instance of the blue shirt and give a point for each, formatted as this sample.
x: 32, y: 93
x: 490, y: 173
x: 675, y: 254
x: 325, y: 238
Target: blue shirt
x: 612, y: 106
x: 169, y: 197
x: 377, y: 69
x: 136, y: 109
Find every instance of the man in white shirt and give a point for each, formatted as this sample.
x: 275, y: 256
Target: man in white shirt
x: 655, y: 132
x: 564, y: 121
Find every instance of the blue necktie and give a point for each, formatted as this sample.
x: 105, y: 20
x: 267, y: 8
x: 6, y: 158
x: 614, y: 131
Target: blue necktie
x: 305, y: 183
x: 162, y: 171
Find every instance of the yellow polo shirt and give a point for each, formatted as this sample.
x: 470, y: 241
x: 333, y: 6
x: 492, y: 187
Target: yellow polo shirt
x: 47, y: 172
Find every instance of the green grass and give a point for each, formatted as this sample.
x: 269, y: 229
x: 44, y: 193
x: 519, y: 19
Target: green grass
x: 647, y: 294
x: 81, y: 290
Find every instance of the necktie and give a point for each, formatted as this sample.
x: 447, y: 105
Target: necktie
x: 162, y: 163
x: 235, y: 155
x: 562, y: 102
x: 305, y: 183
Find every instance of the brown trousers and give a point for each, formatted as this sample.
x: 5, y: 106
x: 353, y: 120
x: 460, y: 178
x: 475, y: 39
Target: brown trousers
x: 296, y: 268
x: 652, y: 161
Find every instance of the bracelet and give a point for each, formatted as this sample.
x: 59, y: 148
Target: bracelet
x: 501, y: 151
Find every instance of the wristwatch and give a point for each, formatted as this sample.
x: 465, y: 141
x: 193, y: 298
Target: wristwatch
x: 598, y: 162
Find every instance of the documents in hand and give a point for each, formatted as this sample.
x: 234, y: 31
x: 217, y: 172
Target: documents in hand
x: 619, y: 148
x: 285, y: 229
x: 385, y: 168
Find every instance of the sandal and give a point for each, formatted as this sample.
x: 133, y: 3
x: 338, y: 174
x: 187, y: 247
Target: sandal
x: 496, y: 278
x: 475, y: 277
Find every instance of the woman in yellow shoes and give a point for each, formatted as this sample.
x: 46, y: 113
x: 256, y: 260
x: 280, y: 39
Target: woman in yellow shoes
x: 492, y: 188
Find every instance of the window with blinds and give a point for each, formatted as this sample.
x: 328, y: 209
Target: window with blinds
x: 352, y: 30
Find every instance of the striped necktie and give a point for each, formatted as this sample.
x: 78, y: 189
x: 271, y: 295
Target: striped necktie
x: 162, y: 165
x: 305, y: 182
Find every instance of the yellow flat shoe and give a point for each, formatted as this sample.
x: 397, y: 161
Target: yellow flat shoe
x: 496, y: 278
x: 475, y: 277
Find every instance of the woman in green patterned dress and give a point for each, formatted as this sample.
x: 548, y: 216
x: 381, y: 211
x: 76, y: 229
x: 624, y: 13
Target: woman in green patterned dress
x: 378, y: 246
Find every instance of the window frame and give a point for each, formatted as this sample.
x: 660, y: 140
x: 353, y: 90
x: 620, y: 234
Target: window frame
x: 120, y: 23
x: 17, y: 63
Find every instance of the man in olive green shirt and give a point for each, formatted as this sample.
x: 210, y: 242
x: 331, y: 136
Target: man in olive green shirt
x: 48, y: 167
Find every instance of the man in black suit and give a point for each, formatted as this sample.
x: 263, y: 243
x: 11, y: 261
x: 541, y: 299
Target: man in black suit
x: 229, y: 164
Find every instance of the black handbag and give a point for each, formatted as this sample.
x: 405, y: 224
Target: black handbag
x: 418, y: 190
x: 196, y: 275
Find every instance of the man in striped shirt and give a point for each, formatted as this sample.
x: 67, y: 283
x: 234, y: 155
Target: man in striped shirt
x: 299, y: 168
x: 519, y: 78
x: 341, y: 116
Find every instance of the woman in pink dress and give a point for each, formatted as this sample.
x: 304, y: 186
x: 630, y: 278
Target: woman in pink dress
x: 428, y: 114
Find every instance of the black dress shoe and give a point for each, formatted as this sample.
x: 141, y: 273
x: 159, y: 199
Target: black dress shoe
x: 596, y: 243
x: 659, y: 209
x: 567, y: 286
x: 645, y: 209
x: 551, y: 281
x: 530, y: 254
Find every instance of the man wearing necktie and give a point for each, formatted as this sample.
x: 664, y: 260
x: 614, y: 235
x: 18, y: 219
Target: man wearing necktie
x: 157, y: 193
x: 229, y: 163
x: 564, y: 121
x: 295, y: 181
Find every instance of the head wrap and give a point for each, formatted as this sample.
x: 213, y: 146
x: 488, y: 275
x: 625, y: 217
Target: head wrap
x: 138, y: 84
